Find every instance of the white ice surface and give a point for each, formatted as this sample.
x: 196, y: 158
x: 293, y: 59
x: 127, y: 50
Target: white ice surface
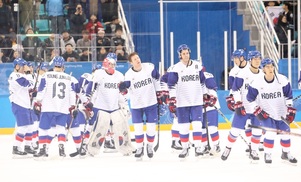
x: 165, y: 166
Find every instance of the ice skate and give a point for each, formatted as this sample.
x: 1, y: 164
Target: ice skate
x: 176, y: 145
x: 268, y: 158
x: 254, y: 156
x: 62, y: 150
x: 139, y: 154
x: 286, y: 156
x: 199, y: 151
x: 109, y: 147
x: 216, y: 149
x: 226, y: 154
x: 28, y: 149
x: 42, y: 152
x: 149, y: 151
x: 17, y: 153
x: 35, y: 145
x: 261, y: 147
x: 184, y: 153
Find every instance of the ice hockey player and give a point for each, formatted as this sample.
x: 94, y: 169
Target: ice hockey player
x: 109, y: 106
x: 242, y: 108
x: 271, y: 97
x: 142, y: 81
x: 55, y: 99
x: 185, y: 82
x: 20, y: 89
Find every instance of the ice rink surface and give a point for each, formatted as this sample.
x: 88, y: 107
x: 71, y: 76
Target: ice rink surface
x: 165, y: 166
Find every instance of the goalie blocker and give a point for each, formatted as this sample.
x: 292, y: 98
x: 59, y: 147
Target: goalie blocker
x: 120, y: 130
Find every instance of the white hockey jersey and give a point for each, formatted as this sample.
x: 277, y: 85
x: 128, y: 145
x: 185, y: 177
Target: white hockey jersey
x: 186, y: 84
x: 55, y: 92
x: 107, y: 92
x: 143, y: 87
x: 19, y: 85
x: 241, y: 84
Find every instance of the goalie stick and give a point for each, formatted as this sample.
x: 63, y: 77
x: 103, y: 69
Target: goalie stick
x: 275, y: 130
x: 286, y: 121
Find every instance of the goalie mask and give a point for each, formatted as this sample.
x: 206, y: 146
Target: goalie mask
x: 109, y: 65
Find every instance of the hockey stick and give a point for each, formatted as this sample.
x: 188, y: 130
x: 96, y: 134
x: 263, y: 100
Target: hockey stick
x: 287, y: 122
x: 36, y: 82
x: 275, y: 130
x: 296, y: 98
x: 158, y: 140
x: 207, y: 131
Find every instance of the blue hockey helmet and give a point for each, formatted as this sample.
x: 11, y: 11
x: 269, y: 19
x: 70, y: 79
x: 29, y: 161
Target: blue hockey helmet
x: 20, y: 62
x: 44, y: 66
x: 183, y: 47
x: 267, y: 61
x: 112, y: 56
x: 254, y: 54
x: 58, y: 61
x: 29, y: 64
x: 239, y: 53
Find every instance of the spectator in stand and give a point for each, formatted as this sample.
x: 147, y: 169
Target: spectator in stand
x: 93, y: 7
x: 5, y: 43
x: 55, y: 12
x: 70, y: 55
x: 102, y: 53
x: 3, y: 58
x: 47, y: 46
x: 121, y: 53
x: 109, y: 9
x: 287, y: 13
x: 77, y: 21
x: 271, y: 3
x: 15, y: 55
x: 102, y: 41
x: 84, y: 42
x: 113, y: 25
x: 66, y: 39
x: 85, y: 56
x: 71, y: 7
x: 26, y: 13
x: 6, y: 19
x: 31, y: 45
x: 281, y: 30
x: 93, y: 26
x: 117, y: 40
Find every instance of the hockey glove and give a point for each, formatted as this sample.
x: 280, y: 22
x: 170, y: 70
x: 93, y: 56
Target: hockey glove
x: 230, y: 102
x: 240, y: 109
x: 162, y: 97
x: 291, y: 113
x: 260, y: 114
x: 37, y: 107
x: 88, y: 109
x: 32, y: 93
x: 122, y: 88
x: 172, y: 105
x: 209, y: 100
x: 73, y: 111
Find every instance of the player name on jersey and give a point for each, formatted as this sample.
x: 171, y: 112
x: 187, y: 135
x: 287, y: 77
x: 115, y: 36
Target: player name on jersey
x: 59, y: 76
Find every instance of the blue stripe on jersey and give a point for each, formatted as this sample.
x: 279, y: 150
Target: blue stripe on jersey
x: 287, y: 91
x: 23, y: 82
x: 231, y: 80
x: 172, y: 79
x: 75, y: 87
x: 252, y: 94
x: 164, y: 78
x: 155, y: 74
x: 42, y: 84
x: 237, y: 83
x: 202, y: 77
x: 210, y: 83
x: 89, y: 89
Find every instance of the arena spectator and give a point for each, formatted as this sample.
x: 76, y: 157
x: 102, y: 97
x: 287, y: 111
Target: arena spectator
x: 6, y: 19
x: 31, y: 45
x: 93, y: 26
x: 85, y: 55
x: 84, y: 42
x: 117, y: 40
x: 25, y: 13
x: 102, y: 53
x: 55, y: 12
x: 77, y: 20
x: 70, y: 55
x: 47, y: 46
x: 112, y: 25
x: 109, y: 9
x: 121, y: 53
x: 3, y: 58
x: 93, y: 7
x: 102, y: 40
x: 66, y: 39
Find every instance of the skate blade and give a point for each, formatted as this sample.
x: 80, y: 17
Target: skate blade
x: 22, y: 156
x: 289, y: 163
x: 254, y: 161
x: 110, y: 151
x: 138, y: 159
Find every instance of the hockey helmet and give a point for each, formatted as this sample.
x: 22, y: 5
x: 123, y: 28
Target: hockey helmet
x: 112, y: 56
x: 20, y: 62
x: 44, y: 66
x: 181, y: 48
x: 267, y: 61
x: 106, y: 65
x: 239, y: 53
x: 58, y: 61
x: 254, y: 54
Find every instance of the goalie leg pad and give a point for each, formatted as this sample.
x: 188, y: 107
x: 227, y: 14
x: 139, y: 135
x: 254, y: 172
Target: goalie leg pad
x: 100, y: 129
x: 121, y: 132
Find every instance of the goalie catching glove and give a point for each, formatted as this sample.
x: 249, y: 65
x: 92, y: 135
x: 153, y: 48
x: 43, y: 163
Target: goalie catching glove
x: 88, y: 109
x: 239, y: 108
x: 172, y: 105
x: 73, y: 111
x: 260, y: 114
x: 122, y: 88
x: 230, y: 102
x: 291, y: 113
x: 37, y: 107
x: 209, y: 100
x: 162, y: 97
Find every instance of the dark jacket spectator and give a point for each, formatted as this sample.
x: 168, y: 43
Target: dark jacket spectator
x: 102, y: 41
x: 31, y: 45
x: 281, y: 30
x: 70, y: 55
x: 6, y: 19
x: 117, y: 40
x: 112, y: 26
x: 77, y: 21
